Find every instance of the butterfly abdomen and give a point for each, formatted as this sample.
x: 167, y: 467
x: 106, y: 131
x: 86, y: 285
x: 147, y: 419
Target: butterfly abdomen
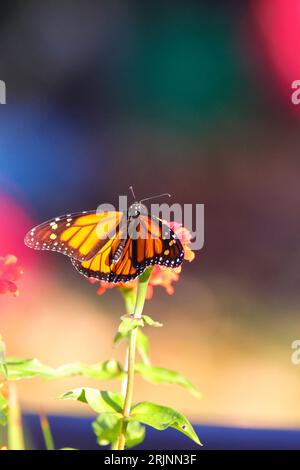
x: 118, y: 253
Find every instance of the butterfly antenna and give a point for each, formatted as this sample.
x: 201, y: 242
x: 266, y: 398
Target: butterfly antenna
x: 155, y: 197
x: 132, y: 192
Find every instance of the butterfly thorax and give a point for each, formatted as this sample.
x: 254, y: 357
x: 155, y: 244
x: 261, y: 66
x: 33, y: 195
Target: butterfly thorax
x: 136, y: 209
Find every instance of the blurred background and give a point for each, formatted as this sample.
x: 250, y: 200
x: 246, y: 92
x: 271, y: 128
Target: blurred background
x: 193, y: 98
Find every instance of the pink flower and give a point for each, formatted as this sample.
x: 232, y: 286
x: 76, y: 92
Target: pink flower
x: 163, y: 277
x: 10, y: 272
x: 185, y: 237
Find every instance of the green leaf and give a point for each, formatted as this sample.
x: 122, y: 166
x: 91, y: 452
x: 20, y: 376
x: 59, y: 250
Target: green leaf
x: 19, y: 368
x: 66, y: 370
x: 142, y: 345
x: 3, y: 366
x: 27, y: 368
x: 107, y: 428
x: 110, y: 369
x: 3, y: 410
x: 135, y: 434
x: 118, y: 338
x: 158, y: 375
x: 100, y: 401
x: 162, y: 417
x: 149, y: 321
x: 129, y: 323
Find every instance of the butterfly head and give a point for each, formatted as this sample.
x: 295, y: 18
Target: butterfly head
x: 136, y: 209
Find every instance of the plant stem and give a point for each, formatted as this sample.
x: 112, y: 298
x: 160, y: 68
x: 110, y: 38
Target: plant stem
x: 129, y: 296
x: 125, y: 369
x: 15, y: 431
x: 47, y: 434
x: 129, y: 388
x: 138, y: 310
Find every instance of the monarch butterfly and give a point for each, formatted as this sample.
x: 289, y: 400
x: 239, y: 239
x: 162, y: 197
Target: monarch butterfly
x: 110, y: 246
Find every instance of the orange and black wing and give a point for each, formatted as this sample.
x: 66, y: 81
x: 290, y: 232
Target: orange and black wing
x: 103, y: 267
x: 155, y: 243
x: 80, y: 236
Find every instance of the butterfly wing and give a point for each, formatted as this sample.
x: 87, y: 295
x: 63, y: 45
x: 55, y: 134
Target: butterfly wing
x: 101, y: 267
x: 80, y: 235
x: 155, y: 243
x: 158, y: 244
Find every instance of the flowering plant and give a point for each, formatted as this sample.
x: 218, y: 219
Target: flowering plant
x: 120, y: 421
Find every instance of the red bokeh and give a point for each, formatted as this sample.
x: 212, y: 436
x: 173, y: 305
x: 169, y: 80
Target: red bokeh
x: 278, y: 23
x: 15, y: 222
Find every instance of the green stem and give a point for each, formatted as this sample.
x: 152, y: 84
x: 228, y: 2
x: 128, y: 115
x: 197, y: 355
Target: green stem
x: 138, y: 310
x: 15, y: 431
x: 125, y: 369
x: 47, y: 434
x: 129, y: 297
x: 129, y: 388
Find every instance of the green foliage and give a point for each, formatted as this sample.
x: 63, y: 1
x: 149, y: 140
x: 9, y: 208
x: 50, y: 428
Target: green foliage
x: 129, y: 323
x: 116, y: 424
x: 108, y: 424
x: 3, y: 410
x: 158, y: 375
x: 107, y: 428
x: 109, y: 406
x: 150, y: 322
x: 118, y: 338
x: 135, y: 433
x: 3, y: 366
x: 100, y: 401
x: 162, y: 417
x: 110, y: 369
x: 19, y: 368
x: 26, y: 368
